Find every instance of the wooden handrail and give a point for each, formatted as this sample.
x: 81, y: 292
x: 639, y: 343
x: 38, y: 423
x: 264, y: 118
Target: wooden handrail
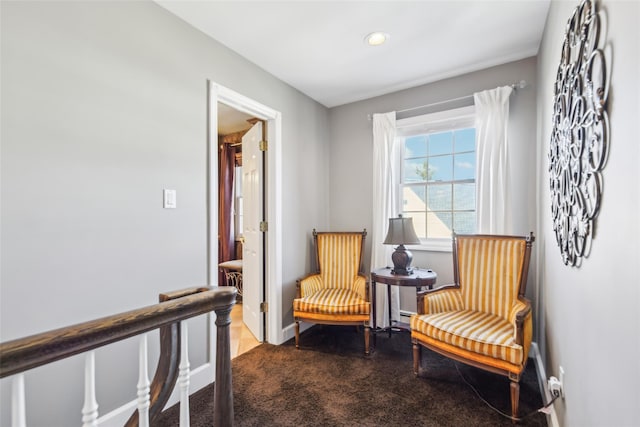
x: 22, y: 354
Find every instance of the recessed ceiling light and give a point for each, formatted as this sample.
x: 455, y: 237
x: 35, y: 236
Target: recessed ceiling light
x: 376, y: 38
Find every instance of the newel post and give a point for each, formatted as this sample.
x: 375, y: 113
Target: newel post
x: 223, y: 391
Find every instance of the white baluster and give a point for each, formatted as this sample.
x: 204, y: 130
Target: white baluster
x: 143, y: 384
x: 90, y: 408
x: 183, y: 375
x: 18, y: 417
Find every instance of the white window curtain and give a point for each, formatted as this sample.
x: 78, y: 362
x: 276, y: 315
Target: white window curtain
x: 386, y: 180
x: 493, y: 198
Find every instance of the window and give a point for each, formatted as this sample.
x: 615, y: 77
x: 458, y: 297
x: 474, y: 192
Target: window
x: 438, y: 174
x: 237, y: 202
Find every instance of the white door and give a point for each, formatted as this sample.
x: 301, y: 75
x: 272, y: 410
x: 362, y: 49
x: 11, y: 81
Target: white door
x: 252, y: 259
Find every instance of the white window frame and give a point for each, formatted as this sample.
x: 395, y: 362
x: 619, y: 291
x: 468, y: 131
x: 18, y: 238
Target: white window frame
x: 441, y: 121
x: 237, y: 203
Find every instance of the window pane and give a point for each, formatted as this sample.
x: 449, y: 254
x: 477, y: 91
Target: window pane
x: 419, y: 223
x: 440, y: 143
x: 464, y: 166
x: 415, y: 146
x: 441, y: 168
x: 439, y: 224
x: 413, y: 198
x: 239, y: 223
x: 438, y: 180
x: 424, y: 171
x: 464, y: 222
x: 414, y: 170
x: 465, y: 140
x: 464, y: 197
x: 439, y: 197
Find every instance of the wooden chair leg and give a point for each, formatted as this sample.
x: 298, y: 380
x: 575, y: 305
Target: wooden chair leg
x: 367, y: 331
x: 515, y: 398
x: 297, y: 334
x: 417, y: 354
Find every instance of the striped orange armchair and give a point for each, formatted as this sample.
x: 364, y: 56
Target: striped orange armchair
x: 337, y: 293
x: 483, y: 319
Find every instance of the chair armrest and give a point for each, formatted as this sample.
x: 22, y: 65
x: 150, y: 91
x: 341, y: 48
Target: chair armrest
x: 360, y: 286
x: 444, y: 298
x: 519, y: 316
x: 519, y: 311
x: 308, y: 285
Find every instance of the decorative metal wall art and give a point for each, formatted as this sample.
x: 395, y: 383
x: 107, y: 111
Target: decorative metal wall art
x: 578, y: 147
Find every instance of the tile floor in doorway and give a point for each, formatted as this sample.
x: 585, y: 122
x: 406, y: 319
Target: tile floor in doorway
x: 241, y: 339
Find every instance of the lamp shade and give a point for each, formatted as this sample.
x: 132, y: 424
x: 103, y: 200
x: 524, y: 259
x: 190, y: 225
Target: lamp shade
x: 401, y: 232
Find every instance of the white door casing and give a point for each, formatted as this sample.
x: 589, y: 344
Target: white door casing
x: 252, y: 254
x: 274, y: 332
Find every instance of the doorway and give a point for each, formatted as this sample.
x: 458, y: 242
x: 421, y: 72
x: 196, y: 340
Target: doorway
x: 269, y: 328
x: 238, y: 136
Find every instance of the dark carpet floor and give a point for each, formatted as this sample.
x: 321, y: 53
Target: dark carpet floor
x: 329, y: 382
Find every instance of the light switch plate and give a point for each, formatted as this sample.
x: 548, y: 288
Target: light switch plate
x: 169, y: 199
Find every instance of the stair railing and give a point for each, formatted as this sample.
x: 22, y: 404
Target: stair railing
x: 20, y: 355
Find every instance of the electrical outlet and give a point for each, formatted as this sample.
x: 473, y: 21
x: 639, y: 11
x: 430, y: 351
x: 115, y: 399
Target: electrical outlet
x: 555, y: 385
x: 561, y: 375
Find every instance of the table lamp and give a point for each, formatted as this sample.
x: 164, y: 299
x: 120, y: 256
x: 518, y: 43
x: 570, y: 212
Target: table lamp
x: 401, y: 233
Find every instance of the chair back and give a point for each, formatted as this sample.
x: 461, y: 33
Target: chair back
x: 491, y: 271
x: 339, y: 255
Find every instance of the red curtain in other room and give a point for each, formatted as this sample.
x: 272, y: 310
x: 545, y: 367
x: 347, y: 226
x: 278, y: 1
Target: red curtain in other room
x: 226, y: 235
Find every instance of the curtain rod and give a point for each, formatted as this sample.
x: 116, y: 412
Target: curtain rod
x: 515, y: 86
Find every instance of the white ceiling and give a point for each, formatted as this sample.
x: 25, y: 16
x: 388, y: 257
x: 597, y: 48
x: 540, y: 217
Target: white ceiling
x: 318, y: 46
x: 231, y: 121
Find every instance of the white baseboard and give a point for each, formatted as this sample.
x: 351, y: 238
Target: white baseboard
x: 552, y: 417
x: 119, y: 416
x: 198, y: 378
x: 290, y: 331
x: 407, y: 313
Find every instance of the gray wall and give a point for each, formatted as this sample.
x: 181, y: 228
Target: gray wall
x: 103, y: 105
x: 590, y: 314
x: 351, y: 190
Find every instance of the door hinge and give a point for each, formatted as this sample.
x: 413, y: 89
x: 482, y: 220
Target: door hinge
x: 263, y: 226
x: 264, y: 145
x: 264, y: 307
